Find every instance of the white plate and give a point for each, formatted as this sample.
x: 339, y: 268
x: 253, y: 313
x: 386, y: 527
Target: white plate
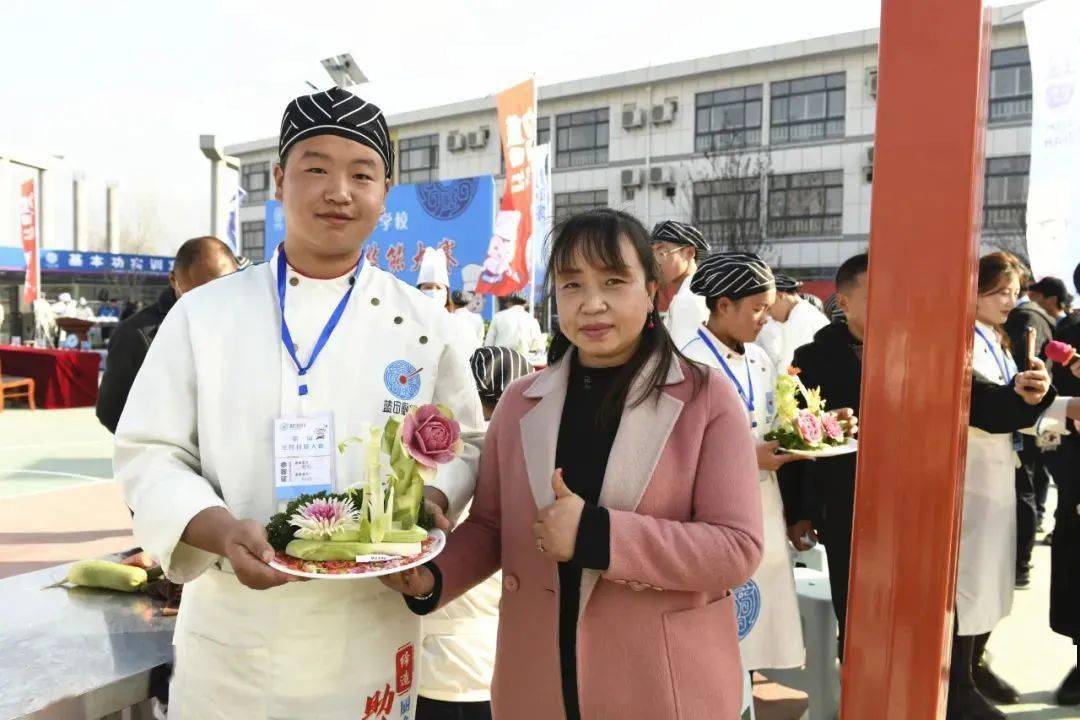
x: 827, y: 452
x: 438, y: 536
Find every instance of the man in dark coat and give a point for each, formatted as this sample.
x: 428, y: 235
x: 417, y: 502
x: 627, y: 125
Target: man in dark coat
x: 198, y: 261
x: 1065, y: 550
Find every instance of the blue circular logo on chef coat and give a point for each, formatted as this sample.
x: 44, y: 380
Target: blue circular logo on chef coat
x: 447, y: 200
x: 402, y: 380
x: 747, y: 607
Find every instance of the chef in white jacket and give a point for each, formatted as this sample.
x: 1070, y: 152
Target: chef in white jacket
x: 678, y: 247
x: 471, y: 321
x: 739, y: 289
x: 315, y: 343
x: 793, y: 322
x: 515, y: 328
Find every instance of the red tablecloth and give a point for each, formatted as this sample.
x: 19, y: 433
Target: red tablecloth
x: 62, y: 378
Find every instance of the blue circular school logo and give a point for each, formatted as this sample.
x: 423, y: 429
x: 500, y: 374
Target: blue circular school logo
x: 402, y: 380
x: 747, y: 607
x: 447, y: 200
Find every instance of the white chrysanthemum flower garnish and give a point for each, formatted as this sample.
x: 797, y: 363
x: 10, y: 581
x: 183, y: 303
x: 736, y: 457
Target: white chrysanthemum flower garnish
x: 323, y: 518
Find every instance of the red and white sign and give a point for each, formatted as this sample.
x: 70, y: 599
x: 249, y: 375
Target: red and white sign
x: 403, y: 668
x: 28, y: 233
x: 506, y: 269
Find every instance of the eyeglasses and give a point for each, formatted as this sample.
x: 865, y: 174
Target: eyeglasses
x: 663, y: 253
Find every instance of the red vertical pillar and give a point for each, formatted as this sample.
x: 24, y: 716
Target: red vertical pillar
x: 925, y: 221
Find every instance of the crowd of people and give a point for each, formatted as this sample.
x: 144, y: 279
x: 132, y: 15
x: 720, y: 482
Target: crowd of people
x: 605, y: 508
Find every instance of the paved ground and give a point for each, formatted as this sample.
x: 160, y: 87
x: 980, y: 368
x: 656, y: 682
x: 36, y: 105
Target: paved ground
x: 59, y: 504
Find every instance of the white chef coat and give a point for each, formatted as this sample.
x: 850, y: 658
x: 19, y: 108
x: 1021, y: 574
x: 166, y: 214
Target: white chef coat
x: 197, y: 432
x: 775, y: 640
x: 780, y: 340
x: 471, y: 329
x: 686, y: 313
x: 514, y: 328
x: 458, y: 649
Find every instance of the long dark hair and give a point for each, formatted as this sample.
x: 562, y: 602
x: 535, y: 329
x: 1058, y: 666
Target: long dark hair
x: 995, y: 270
x: 596, y: 234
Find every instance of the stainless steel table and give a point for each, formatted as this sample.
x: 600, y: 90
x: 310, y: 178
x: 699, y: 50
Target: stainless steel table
x: 76, y: 653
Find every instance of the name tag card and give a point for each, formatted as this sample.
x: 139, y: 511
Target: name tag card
x: 303, y: 456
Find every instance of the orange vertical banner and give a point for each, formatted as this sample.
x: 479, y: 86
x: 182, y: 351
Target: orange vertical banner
x: 29, y: 235
x: 506, y: 269
x: 925, y: 225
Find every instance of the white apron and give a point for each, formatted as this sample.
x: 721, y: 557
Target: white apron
x: 198, y: 432
x: 986, y: 572
x: 767, y: 608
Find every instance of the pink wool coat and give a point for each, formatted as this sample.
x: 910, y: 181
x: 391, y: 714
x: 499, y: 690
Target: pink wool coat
x: 657, y: 634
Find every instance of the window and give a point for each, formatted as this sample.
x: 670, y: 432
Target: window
x: 252, y: 240
x: 256, y: 183
x: 581, y: 138
x: 418, y: 160
x: 806, y: 204
x: 543, y: 130
x: 567, y: 204
x: 728, y: 211
x: 727, y: 119
x: 1010, y: 85
x: 1005, y: 204
x: 807, y: 109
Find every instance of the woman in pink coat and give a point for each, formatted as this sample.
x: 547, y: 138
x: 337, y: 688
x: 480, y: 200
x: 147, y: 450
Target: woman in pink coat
x: 617, y: 566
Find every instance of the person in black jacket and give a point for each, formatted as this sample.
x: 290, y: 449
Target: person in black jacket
x: 819, y: 497
x: 1047, y: 301
x: 1065, y: 549
x: 198, y: 261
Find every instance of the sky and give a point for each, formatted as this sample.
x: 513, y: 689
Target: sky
x: 123, y: 89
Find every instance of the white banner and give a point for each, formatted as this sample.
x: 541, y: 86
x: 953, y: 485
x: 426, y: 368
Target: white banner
x: 1053, y: 209
x: 543, y: 208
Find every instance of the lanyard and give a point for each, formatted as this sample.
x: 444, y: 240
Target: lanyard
x: 747, y: 400
x: 1002, y: 362
x: 327, y: 331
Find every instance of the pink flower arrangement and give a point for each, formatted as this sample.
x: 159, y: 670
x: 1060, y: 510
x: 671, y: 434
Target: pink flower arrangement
x: 832, y: 427
x: 430, y: 437
x: 809, y: 427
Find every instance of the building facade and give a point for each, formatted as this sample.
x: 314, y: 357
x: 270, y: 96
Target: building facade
x: 769, y: 149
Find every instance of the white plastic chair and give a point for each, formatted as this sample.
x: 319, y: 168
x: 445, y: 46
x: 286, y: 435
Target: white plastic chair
x: 820, y: 679
x: 747, y: 710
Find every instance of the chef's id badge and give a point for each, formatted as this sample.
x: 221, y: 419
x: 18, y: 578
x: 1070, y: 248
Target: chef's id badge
x: 303, y: 456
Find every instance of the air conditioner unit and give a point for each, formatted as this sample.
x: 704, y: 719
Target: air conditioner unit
x: 631, y: 178
x: 871, y: 82
x: 868, y: 164
x: 633, y: 118
x: 479, y: 139
x: 664, y: 112
x: 455, y: 142
x: 661, y: 175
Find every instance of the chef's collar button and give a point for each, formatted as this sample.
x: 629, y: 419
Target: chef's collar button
x: 352, y: 280
x: 294, y: 281
x: 423, y: 339
x: 398, y: 320
x: 375, y: 301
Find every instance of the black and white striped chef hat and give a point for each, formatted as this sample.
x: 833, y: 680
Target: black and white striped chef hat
x: 336, y: 112
x: 494, y: 368
x: 732, y: 275
x: 678, y: 233
x: 786, y: 283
